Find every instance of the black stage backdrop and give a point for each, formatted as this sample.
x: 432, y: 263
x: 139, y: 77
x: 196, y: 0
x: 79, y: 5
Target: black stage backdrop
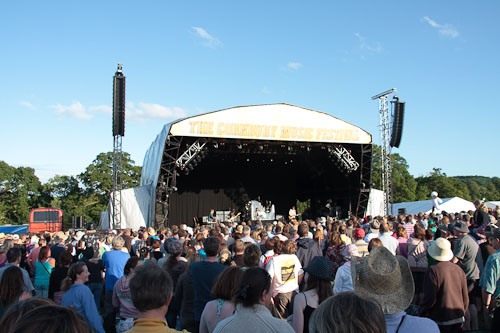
x: 223, y: 181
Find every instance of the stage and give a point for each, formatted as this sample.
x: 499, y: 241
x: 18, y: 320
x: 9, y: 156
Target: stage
x: 278, y: 153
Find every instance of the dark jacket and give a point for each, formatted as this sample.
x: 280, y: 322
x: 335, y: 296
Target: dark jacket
x: 307, y: 249
x: 445, y: 292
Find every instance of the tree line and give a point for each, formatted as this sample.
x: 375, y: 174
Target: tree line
x: 87, y: 194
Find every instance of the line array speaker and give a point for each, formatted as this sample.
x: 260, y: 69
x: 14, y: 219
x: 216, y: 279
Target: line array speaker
x: 397, y: 123
x: 119, y: 103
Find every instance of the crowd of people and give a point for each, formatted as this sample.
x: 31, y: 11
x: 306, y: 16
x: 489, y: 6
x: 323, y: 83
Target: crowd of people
x: 408, y: 273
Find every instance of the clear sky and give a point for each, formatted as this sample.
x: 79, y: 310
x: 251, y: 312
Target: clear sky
x: 184, y: 58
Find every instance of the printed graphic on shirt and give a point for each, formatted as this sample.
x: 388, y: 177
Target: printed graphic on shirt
x: 288, y: 270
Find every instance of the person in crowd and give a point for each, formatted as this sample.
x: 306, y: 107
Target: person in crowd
x: 184, y: 294
x: 17, y: 310
x: 114, y: 263
x: 490, y: 282
x: 239, y: 250
x: 58, y: 245
x: 409, y: 225
x: 34, y: 254
x: 50, y: 318
x: 307, y: 248
x: 251, y: 256
x: 222, y: 306
x: 318, y: 288
x: 43, y: 268
x: 343, y: 278
x: 358, y: 234
x: 96, y: 269
x: 487, y: 248
x: 7, y: 244
x: 204, y: 275
x: 156, y: 249
x: 445, y: 289
x: 387, y: 239
x: 79, y: 296
x: 175, y: 265
x: 269, y: 253
x: 286, y: 273
x: 374, y: 230
x: 14, y: 259
x: 416, y: 248
x: 466, y: 254
x: 11, y: 288
x: 57, y: 276
x: 151, y: 291
x: 252, y: 301
x: 481, y: 216
x: 402, y: 238
x: 122, y: 299
x: 387, y: 279
x: 346, y: 312
x: 246, y: 236
x: 334, y: 252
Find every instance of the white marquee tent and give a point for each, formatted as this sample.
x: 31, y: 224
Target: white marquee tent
x: 450, y: 205
x: 492, y: 204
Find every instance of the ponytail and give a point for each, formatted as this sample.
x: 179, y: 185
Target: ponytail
x: 73, y: 271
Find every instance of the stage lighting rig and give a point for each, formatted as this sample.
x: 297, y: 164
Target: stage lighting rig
x: 192, y: 152
x: 344, y: 158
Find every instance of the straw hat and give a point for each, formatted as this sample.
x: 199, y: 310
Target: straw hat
x: 375, y: 226
x: 385, y: 278
x: 60, y: 236
x: 440, y: 250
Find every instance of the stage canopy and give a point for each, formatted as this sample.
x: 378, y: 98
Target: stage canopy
x: 276, y: 153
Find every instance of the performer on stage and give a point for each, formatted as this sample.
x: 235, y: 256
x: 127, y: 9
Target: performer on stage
x: 292, y: 214
x: 212, y: 216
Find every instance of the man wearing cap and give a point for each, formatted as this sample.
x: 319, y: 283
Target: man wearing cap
x: 358, y: 235
x: 490, y: 280
x: 387, y: 279
x: 467, y: 253
x: 374, y: 231
x: 446, y: 297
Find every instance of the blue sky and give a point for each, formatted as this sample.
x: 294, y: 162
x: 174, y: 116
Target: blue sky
x: 190, y: 57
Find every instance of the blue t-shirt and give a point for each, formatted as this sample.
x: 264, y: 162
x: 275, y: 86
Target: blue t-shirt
x: 204, y: 274
x: 114, y: 261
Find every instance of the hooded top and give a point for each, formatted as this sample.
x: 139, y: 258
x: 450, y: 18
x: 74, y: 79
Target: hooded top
x: 307, y: 249
x: 122, y: 298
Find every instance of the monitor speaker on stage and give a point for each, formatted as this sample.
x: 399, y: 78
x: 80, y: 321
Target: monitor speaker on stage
x: 119, y: 102
x: 397, y: 124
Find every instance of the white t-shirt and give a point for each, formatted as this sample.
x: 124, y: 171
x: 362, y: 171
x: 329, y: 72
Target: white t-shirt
x: 284, y: 270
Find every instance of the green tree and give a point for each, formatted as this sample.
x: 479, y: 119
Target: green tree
x: 97, y: 181
x: 446, y: 186
x: 20, y: 191
x: 403, y: 183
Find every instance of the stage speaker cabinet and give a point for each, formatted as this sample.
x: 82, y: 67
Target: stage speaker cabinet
x: 119, y: 104
x: 78, y: 222
x: 397, y: 123
x: 401, y: 211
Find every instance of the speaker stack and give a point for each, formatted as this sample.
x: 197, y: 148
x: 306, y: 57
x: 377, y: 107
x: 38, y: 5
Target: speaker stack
x: 397, y: 122
x: 119, y: 103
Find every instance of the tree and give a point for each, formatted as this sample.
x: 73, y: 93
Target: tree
x: 403, y: 183
x: 446, y: 186
x: 19, y: 192
x: 97, y: 181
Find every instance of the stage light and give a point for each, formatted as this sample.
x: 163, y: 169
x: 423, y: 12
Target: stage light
x: 239, y: 146
x: 216, y: 145
x: 261, y: 147
x: 248, y: 160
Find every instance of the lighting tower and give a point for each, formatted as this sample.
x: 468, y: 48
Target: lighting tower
x: 118, y: 133
x: 383, y: 106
